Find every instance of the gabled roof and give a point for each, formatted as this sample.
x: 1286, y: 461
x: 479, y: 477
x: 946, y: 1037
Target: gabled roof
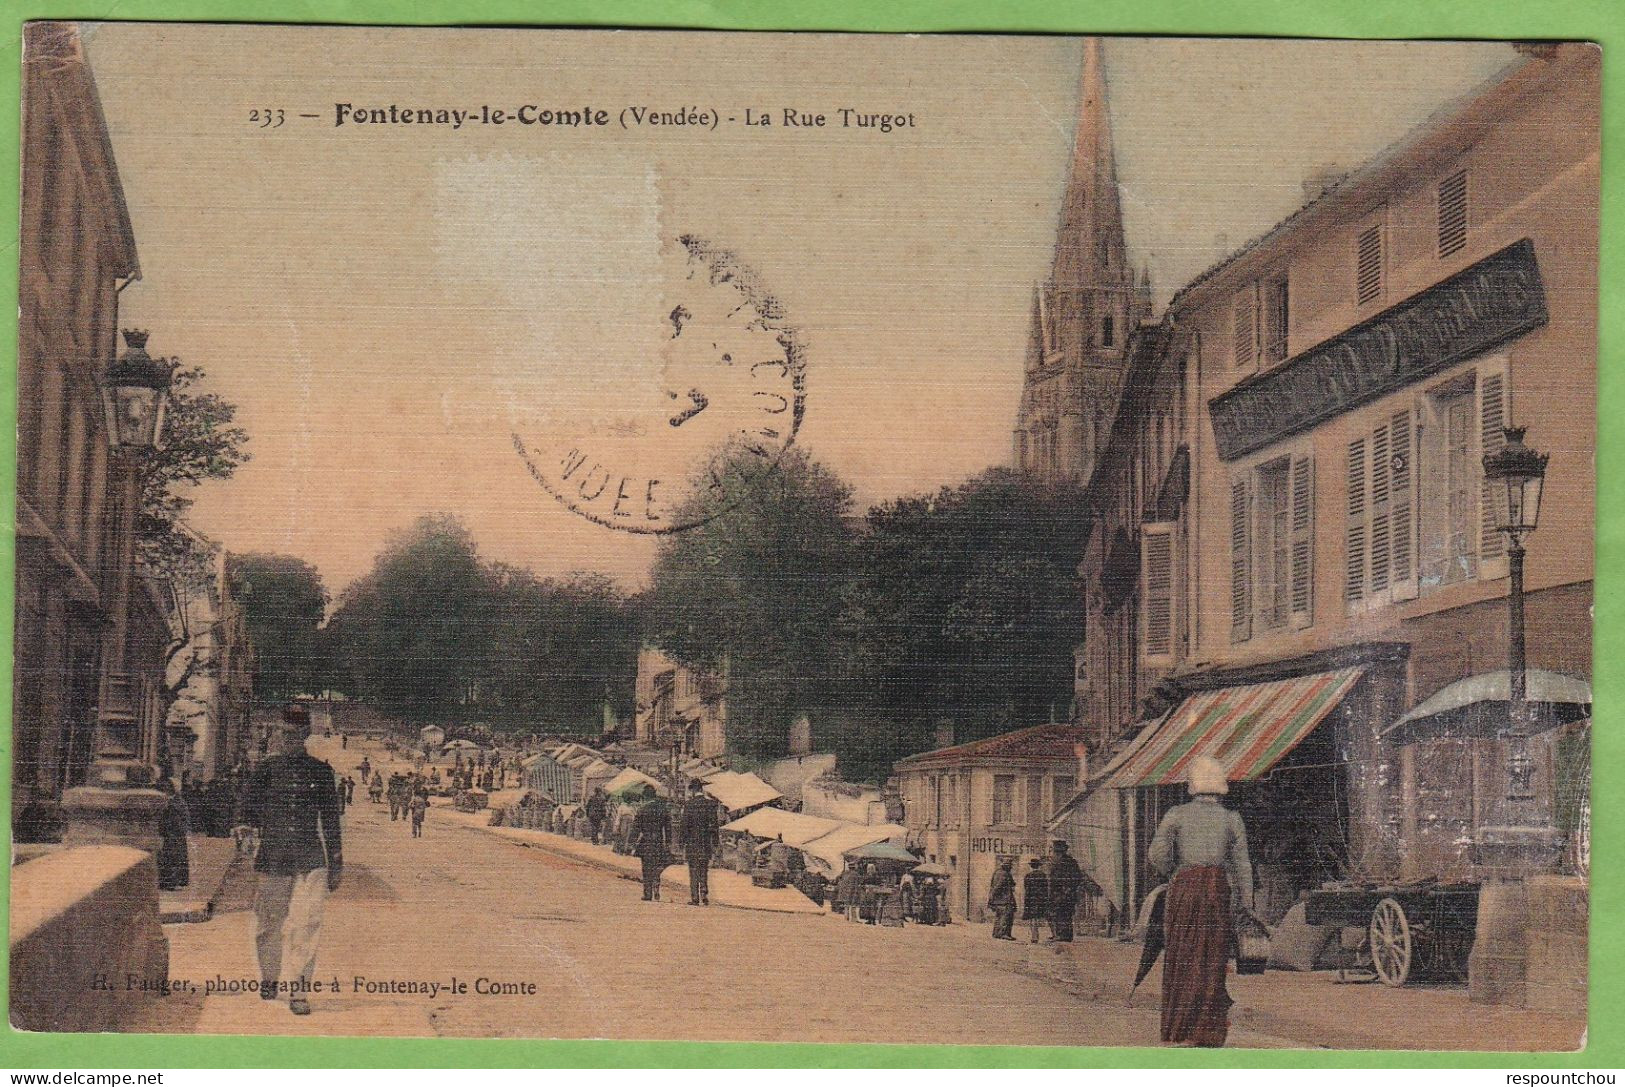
x: 1051, y: 742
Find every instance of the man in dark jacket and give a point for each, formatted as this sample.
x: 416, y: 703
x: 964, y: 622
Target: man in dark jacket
x: 698, y: 833
x: 651, y: 837
x: 1001, y: 899
x: 1035, y: 895
x: 1065, y: 883
x: 292, y: 806
x: 597, y: 808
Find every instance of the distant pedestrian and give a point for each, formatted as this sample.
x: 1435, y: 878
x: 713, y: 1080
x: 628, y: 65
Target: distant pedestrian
x: 1065, y: 883
x: 651, y: 836
x: 848, y: 893
x: 907, y: 898
x: 349, y: 790
x: 375, y: 791
x: 174, y: 858
x: 344, y: 741
x: 699, y: 840
x: 930, y: 894
x: 1035, y: 895
x: 1202, y: 845
x: 292, y: 806
x: 1001, y: 899
x: 365, y: 768
x: 419, y: 807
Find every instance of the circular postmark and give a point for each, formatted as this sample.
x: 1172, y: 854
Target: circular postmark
x: 728, y: 400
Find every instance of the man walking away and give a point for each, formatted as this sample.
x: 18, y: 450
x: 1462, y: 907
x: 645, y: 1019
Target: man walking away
x: 418, y: 807
x: 292, y: 806
x: 597, y: 807
x: 1065, y: 881
x: 1001, y: 899
x: 1035, y: 895
x: 650, y: 841
x: 699, y: 839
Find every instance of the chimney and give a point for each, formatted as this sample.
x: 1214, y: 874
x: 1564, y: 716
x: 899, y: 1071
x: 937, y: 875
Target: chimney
x: 945, y: 733
x: 1321, y: 179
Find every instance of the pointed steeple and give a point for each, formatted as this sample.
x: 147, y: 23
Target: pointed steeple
x: 1089, y: 251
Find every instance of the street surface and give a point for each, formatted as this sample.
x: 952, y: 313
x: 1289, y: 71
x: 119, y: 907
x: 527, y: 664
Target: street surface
x: 573, y: 952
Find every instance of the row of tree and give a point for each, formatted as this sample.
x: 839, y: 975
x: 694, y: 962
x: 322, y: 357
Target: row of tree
x: 960, y: 605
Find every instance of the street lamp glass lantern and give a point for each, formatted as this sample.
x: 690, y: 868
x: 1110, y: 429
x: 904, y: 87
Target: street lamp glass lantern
x: 1516, y: 475
x: 133, y: 394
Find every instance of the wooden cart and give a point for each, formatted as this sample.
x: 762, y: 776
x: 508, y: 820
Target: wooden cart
x: 1413, y: 931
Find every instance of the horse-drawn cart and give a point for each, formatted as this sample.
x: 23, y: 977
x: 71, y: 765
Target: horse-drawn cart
x: 1411, y: 930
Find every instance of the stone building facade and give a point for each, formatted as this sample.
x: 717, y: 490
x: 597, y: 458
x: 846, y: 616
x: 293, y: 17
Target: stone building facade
x: 1290, y: 503
x: 81, y: 254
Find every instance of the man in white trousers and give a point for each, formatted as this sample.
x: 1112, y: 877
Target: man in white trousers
x: 292, y: 806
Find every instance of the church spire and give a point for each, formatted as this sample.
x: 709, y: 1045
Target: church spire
x: 1089, y: 251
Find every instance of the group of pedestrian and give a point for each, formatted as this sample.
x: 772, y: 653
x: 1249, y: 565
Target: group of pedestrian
x: 1049, y: 893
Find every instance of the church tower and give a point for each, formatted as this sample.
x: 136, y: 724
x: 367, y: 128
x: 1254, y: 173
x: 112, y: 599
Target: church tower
x: 1083, y: 315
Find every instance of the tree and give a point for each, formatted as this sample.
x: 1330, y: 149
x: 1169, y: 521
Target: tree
x: 756, y: 588
x: 965, y: 606
x: 284, y: 602
x: 200, y: 443
x: 433, y: 632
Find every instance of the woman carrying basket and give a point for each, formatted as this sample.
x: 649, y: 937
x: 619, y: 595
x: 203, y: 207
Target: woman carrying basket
x: 1203, y: 847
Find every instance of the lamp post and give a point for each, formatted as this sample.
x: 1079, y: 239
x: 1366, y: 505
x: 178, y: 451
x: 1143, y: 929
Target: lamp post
x: 1516, y: 476
x: 1526, y: 843
x: 117, y: 803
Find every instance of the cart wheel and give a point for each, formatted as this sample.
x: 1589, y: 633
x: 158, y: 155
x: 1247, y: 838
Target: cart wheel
x: 1391, y: 942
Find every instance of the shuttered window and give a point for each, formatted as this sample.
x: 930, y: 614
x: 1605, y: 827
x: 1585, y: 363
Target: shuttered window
x: 1380, y: 538
x: 1241, y: 589
x: 1493, y: 396
x: 1277, y: 310
x: 1303, y: 541
x: 1368, y: 265
x: 1453, y: 214
x: 1246, y: 327
x: 1157, y: 588
x: 1274, y: 543
x: 1004, y: 799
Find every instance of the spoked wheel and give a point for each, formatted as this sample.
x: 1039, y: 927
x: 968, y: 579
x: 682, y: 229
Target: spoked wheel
x: 1391, y: 944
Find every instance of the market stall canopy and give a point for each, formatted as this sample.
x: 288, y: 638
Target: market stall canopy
x: 463, y: 745
x: 930, y: 868
x: 1247, y: 729
x: 831, y: 849
x: 1477, y: 706
x: 882, y: 851
x: 628, y: 779
x: 736, y: 792
x: 792, y: 827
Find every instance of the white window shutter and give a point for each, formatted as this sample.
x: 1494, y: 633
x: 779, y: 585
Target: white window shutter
x: 1246, y: 327
x: 1355, y: 535
x: 1494, y: 404
x: 1157, y: 588
x: 1380, y: 574
x: 1402, y: 504
x: 1303, y: 541
x: 1241, y: 582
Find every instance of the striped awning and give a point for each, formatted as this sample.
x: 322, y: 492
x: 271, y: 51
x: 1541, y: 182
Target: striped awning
x: 1247, y: 729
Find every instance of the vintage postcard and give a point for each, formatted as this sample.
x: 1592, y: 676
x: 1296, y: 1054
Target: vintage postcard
x: 1037, y: 540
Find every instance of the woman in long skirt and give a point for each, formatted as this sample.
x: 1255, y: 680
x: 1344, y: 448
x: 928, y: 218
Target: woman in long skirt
x: 1203, y: 846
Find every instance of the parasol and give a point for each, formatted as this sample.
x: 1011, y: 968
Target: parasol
x: 1477, y: 706
x: 1154, y: 934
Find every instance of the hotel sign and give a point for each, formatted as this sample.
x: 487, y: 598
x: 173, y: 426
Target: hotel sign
x: 1471, y: 312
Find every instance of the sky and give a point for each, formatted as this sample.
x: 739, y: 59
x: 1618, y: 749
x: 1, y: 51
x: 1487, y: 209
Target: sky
x: 388, y: 305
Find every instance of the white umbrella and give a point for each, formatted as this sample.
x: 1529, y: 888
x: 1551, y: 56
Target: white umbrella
x: 1477, y: 706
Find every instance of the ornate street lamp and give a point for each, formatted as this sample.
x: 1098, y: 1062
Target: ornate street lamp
x: 133, y: 394
x: 1516, y: 475
x: 117, y: 803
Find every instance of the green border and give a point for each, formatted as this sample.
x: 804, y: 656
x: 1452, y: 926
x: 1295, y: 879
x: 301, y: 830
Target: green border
x: 1597, y: 20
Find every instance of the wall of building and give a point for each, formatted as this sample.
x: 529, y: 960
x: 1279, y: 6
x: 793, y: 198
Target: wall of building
x: 73, y: 207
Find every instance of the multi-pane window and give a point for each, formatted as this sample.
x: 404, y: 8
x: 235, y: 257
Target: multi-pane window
x: 1368, y: 264
x: 1035, y: 801
x: 1460, y: 421
x: 1004, y: 799
x: 1274, y: 542
x: 1108, y: 331
x: 1061, y: 789
x: 1272, y: 546
x: 1453, y: 214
